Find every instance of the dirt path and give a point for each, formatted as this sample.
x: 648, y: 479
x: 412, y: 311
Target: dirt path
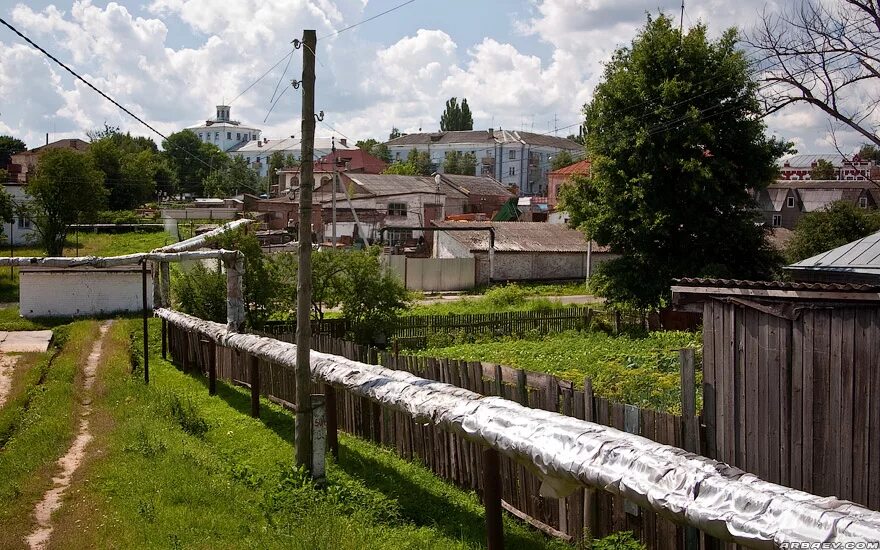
x: 7, y: 363
x: 75, y: 454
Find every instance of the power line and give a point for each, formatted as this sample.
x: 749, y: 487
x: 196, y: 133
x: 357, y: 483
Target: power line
x: 340, y: 31
x: 93, y: 87
x: 262, y: 76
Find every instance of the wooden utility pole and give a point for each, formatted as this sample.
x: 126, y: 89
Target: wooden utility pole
x: 303, y: 435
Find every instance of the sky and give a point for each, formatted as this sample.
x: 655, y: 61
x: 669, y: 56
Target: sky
x: 521, y: 64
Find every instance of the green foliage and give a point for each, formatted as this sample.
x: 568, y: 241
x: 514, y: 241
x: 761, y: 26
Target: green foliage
x: 512, y: 297
x: 456, y: 117
x: 671, y: 170
x: 581, y: 136
x: 394, y: 134
x: 235, y: 177
x: 639, y: 370
x: 839, y: 223
x: 67, y: 189
x: 8, y: 147
x: 371, y: 298
x: 623, y: 540
x: 118, y: 217
x: 129, y: 165
x: 192, y: 160
x: 182, y: 411
x: 199, y: 291
x: 869, y: 151
x: 823, y: 170
x: 418, y: 163
x: 7, y: 209
x: 373, y: 147
x: 259, y: 287
x: 561, y: 160
x: 460, y: 163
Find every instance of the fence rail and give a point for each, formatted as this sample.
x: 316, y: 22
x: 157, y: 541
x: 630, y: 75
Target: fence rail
x: 415, y: 329
x: 457, y: 460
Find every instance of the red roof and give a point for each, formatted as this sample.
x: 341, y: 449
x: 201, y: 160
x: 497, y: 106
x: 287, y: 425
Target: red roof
x: 578, y: 168
x: 356, y: 160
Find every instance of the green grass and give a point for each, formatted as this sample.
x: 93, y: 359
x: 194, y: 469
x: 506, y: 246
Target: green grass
x: 90, y: 244
x: 495, y: 300
x: 36, y: 426
x: 639, y: 370
x: 181, y: 469
x: 541, y: 289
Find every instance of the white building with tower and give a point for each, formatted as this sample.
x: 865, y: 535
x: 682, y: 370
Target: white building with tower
x: 224, y: 132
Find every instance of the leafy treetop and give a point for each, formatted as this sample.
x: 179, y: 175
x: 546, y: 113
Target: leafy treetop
x: 823, y: 170
x: 456, y: 117
x: 840, y: 223
x: 676, y: 142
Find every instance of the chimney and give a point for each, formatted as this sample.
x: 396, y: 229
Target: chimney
x: 265, y: 140
x: 491, y: 132
x: 47, y: 138
x: 259, y: 144
x: 343, y: 141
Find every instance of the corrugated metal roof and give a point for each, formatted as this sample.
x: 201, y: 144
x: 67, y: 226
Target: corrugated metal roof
x: 772, y: 285
x: 478, y: 185
x: 806, y: 161
x: 393, y: 184
x: 521, y: 237
x: 818, y: 199
x: 579, y: 168
x: 483, y: 138
x: 861, y: 256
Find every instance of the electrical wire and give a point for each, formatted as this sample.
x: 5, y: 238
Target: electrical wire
x: 340, y: 31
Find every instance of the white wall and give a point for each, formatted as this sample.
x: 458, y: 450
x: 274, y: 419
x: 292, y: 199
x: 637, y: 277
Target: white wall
x: 22, y: 231
x: 226, y: 136
x: 81, y: 292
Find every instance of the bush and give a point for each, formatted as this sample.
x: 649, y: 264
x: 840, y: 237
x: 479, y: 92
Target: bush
x: 623, y: 540
x: 200, y: 292
x: 117, y: 216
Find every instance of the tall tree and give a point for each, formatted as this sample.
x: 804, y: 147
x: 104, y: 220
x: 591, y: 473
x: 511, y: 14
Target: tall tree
x: 395, y: 133
x: 8, y: 147
x: 823, y: 54
x: 67, y: 188
x: 129, y: 167
x: 456, y: 162
x: 192, y: 160
x: 561, y: 160
x: 669, y: 189
x: 870, y: 152
x: 236, y: 177
x: 839, y: 223
x: 823, y: 170
x: 456, y: 117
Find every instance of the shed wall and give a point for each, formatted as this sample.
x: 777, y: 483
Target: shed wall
x: 81, y: 293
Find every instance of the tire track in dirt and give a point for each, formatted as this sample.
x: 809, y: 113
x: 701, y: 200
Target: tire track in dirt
x: 7, y: 364
x: 71, y: 460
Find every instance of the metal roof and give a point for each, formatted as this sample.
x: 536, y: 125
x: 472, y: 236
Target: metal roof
x: 393, y: 184
x: 483, y: 138
x: 806, y: 161
x: 861, y: 256
x: 693, y: 282
x: 521, y: 237
x: 478, y: 185
x: 579, y: 168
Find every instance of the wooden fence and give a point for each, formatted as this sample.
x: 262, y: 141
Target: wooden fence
x: 414, y: 330
x: 459, y: 461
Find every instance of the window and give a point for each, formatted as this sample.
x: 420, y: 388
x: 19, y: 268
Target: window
x: 863, y: 202
x: 777, y: 220
x: 238, y: 136
x: 397, y: 155
x: 397, y: 209
x: 247, y: 160
x: 257, y: 161
x: 399, y: 237
x: 24, y: 222
x: 247, y: 137
x: 512, y: 155
x: 512, y: 171
x: 228, y: 135
x: 201, y: 136
x: 790, y: 202
x: 216, y: 136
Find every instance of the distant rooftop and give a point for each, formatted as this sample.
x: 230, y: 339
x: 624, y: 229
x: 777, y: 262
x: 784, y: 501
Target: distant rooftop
x: 858, y: 261
x: 322, y: 146
x: 485, y: 137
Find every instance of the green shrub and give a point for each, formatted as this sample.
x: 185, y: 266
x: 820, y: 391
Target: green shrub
x: 200, y: 292
x: 623, y: 540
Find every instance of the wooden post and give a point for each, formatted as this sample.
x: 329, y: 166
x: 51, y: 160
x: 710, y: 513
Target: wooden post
x: 332, y: 420
x: 165, y: 283
x: 690, y: 432
x: 302, y: 372
x: 164, y: 339
x: 235, y: 310
x: 492, y: 499
x: 616, y: 321
x: 212, y: 367
x: 146, y: 332
x: 522, y: 391
x: 255, y: 386
x: 499, y: 382
x: 591, y: 501
x: 319, y: 438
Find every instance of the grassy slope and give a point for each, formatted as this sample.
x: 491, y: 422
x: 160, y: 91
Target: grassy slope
x: 91, y: 244
x: 495, y: 300
x: 228, y: 481
x: 36, y: 427
x: 640, y: 371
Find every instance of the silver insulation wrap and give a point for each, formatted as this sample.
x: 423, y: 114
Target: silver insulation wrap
x: 200, y: 241
x: 568, y: 453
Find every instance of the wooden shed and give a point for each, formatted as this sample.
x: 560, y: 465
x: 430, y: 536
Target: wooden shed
x: 791, y: 373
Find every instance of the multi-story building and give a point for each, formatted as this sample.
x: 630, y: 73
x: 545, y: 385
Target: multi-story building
x: 21, y: 165
x: 258, y: 152
x: 784, y: 203
x: 799, y: 167
x: 224, y: 132
x: 520, y: 159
